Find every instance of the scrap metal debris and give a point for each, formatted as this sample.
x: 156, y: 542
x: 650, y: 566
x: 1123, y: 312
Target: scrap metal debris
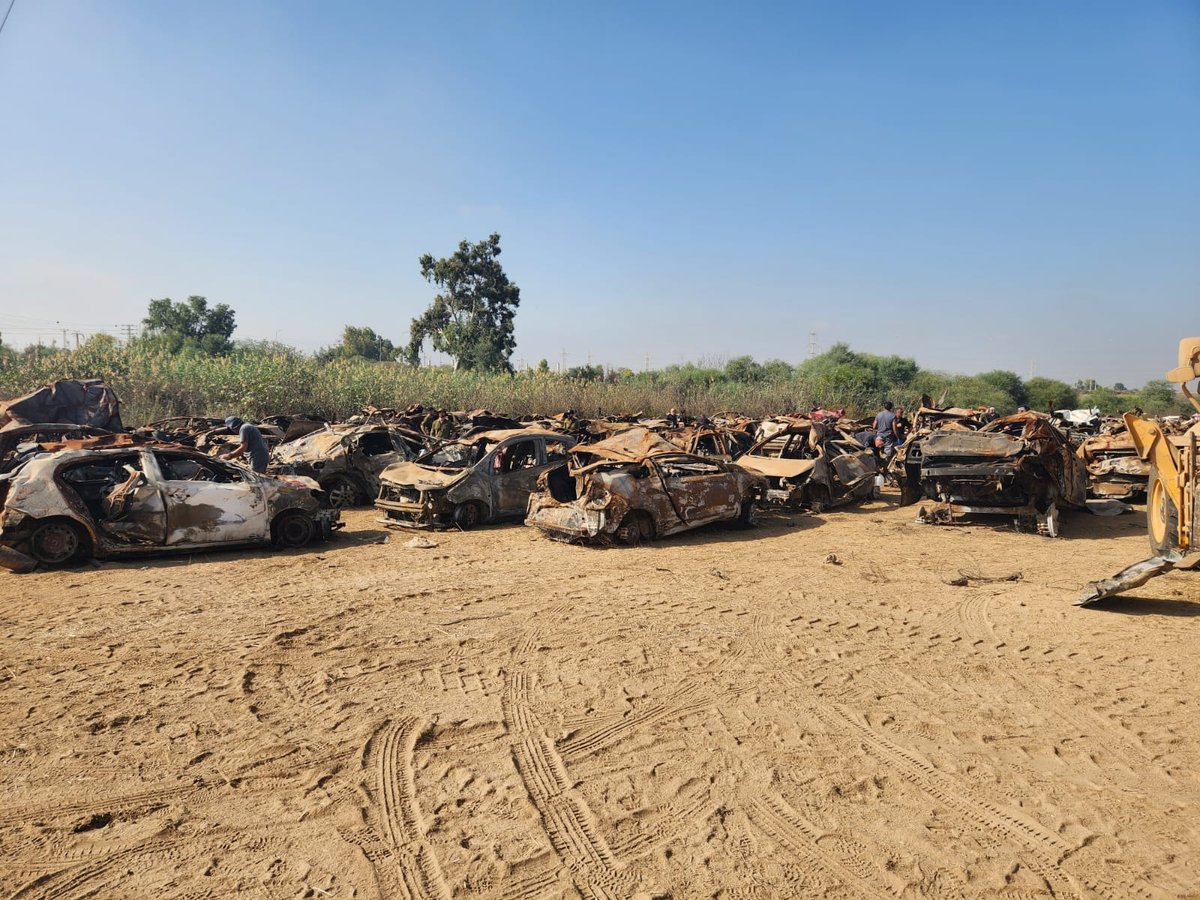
x: 420, y: 542
x: 1129, y: 577
x: 966, y: 578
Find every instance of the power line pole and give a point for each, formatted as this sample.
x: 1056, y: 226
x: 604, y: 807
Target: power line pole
x: 812, y: 344
x: 128, y: 329
x: 562, y: 361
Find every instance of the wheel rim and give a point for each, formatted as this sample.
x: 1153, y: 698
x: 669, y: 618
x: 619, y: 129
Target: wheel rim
x: 341, y: 494
x: 470, y: 515
x: 55, y: 543
x: 295, y: 531
x: 1156, y: 514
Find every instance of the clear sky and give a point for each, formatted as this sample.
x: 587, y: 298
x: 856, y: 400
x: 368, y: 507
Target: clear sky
x: 999, y: 185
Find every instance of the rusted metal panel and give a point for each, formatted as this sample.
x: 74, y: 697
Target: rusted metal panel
x: 75, y: 401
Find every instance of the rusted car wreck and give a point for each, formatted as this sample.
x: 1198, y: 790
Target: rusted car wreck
x: 1019, y: 466
x: 1114, y: 468
x: 345, y: 460
x: 485, y: 477
x: 810, y: 464
x: 636, y: 486
x: 119, y: 494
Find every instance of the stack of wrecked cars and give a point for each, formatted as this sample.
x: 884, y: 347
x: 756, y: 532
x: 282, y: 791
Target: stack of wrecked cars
x: 346, y: 460
x: 483, y: 477
x: 635, y: 486
x: 810, y: 464
x: 121, y: 494
x: 1019, y: 466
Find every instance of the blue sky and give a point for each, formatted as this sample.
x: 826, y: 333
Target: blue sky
x: 975, y: 185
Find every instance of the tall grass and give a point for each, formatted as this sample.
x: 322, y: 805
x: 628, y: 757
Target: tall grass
x: 153, y: 384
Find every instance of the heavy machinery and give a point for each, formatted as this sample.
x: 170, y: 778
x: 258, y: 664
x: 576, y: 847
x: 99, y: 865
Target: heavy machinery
x: 1172, y: 499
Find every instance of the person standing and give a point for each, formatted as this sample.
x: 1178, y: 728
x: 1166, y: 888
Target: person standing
x: 885, y: 432
x: 251, y: 444
x: 442, y: 428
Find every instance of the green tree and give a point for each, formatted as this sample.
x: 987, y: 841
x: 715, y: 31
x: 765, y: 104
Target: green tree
x: 543, y: 367
x: 1008, y: 382
x: 189, y: 325
x: 776, y: 370
x: 1107, y: 400
x: 743, y: 370
x: 1157, y: 398
x: 1045, y: 394
x: 585, y: 373
x: 361, y: 343
x: 471, y: 317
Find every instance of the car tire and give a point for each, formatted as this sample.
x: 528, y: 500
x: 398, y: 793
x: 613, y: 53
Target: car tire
x: 1162, y: 518
x: 293, y: 529
x: 468, y: 515
x: 634, y: 528
x: 747, y: 513
x: 57, y: 542
x: 340, y: 492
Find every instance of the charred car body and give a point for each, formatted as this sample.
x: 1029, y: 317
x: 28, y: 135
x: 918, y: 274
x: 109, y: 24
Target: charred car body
x: 811, y: 464
x: 117, y: 494
x: 346, y: 460
x: 637, y: 485
x: 1115, y: 470
x: 485, y: 477
x: 1019, y: 465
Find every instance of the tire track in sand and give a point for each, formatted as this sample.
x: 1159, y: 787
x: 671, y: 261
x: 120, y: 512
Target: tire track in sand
x: 774, y: 817
x: 1049, y: 848
x: 415, y: 873
x: 572, y: 829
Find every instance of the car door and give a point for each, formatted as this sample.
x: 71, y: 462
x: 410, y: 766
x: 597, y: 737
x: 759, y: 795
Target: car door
x: 703, y: 490
x: 124, y: 499
x: 852, y: 466
x: 515, y: 475
x: 210, y: 502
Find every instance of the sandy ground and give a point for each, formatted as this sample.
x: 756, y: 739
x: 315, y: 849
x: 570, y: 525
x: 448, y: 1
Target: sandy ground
x: 726, y: 714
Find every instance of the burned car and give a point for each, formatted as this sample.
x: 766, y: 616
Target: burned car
x: 485, y: 477
x: 87, y: 401
x: 1114, y: 468
x: 345, y: 460
x: 117, y: 495
x: 812, y: 465
x: 636, y: 486
x: 1019, y: 465
x: 18, y: 441
x: 709, y: 440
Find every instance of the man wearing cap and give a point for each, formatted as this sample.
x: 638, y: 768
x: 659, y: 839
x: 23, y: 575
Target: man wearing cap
x: 252, y: 444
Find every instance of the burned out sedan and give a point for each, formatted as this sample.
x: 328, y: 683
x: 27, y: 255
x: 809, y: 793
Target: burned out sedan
x: 345, y: 460
x: 118, y: 495
x: 635, y: 486
x: 486, y: 477
x: 1019, y: 466
x: 811, y: 464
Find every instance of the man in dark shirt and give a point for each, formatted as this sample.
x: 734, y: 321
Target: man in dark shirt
x: 251, y: 444
x: 885, y: 431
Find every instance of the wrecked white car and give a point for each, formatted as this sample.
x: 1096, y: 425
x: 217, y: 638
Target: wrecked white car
x: 117, y: 495
x: 482, y: 478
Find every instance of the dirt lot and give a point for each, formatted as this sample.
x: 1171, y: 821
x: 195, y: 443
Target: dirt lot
x: 728, y: 714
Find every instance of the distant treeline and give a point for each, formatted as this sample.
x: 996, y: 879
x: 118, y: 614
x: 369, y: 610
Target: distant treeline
x: 262, y: 378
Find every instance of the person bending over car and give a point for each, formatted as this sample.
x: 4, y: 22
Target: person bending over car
x: 252, y: 444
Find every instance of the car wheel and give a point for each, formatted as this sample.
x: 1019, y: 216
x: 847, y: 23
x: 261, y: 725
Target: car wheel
x: 468, y: 515
x: 293, y: 529
x: 748, y: 513
x: 1162, y: 518
x: 634, y: 528
x: 340, y: 492
x: 57, y: 542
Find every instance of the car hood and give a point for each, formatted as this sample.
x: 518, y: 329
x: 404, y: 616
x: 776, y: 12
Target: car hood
x: 421, y: 477
x: 776, y: 468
